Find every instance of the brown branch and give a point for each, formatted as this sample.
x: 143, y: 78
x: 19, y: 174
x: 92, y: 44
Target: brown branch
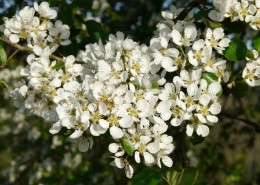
x: 2, y: 67
x: 25, y: 48
x: 248, y: 122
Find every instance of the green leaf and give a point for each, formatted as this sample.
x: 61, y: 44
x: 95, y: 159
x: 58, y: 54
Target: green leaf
x: 202, y: 14
x: 196, y: 139
x: 127, y: 145
x: 240, y: 89
x: 172, y: 177
x: 58, y: 65
x: 55, y: 2
x: 234, y: 27
x: 70, y: 175
x: 189, y: 176
x: 236, y: 51
x: 209, y: 77
x: 3, y: 57
x: 66, y: 16
x: 87, y: 4
x: 256, y: 42
x: 182, y: 177
x: 3, y: 84
x: 146, y: 177
x: 95, y: 31
x: 211, y: 24
x: 250, y: 54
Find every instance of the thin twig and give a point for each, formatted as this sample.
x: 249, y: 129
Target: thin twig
x: 25, y: 48
x: 13, y: 54
x: 248, y: 122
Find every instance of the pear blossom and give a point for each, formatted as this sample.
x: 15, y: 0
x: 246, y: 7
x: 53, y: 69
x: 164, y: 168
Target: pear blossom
x: 200, y: 128
x: 172, y: 13
x: 215, y: 38
x: 170, y: 92
x: 123, y: 163
x: 164, y: 55
x: 198, y: 52
x: 84, y: 144
x: 44, y: 10
x: 59, y: 33
x: 251, y: 73
x: 246, y: 10
x: 190, y: 33
x: 165, y: 149
x: 187, y: 78
x: 145, y: 148
x: 206, y: 111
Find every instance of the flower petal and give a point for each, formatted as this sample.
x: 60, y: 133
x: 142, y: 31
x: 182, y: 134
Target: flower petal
x: 148, y: 157
x: 56, y: 127
x: 167, y: 161
x: 83, y: 145
x: 116, y: 132
x: 203, y: 130
x: 113, y: 147
x: 129, y: 171
x: 126, y: 121
x: 215, y: 108
x: 212, y: 119
x: 104, y: 124
x: 76, y: 134
x: 189, y: 130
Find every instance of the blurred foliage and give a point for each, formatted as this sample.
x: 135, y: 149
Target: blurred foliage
x: 29, y: 155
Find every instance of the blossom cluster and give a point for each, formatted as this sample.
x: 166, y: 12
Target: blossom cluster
x: 133, y: 92
x: 34, y: 25
x: 251, y: 72
x: 247, y: 11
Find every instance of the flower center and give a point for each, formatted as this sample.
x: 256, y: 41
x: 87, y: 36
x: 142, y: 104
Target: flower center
x: 142, y: 148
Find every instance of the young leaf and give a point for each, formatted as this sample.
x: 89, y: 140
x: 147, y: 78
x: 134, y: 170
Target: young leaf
x: 147, y: 177
x: 127, y: 145
x: 58, y: 65
x: 3, y: 57
x: 182, y: 177
x: 256, y: 42
x: 3, y: 84
x: 236, y: 51
x: 189, y: 176
x: 87, y: 4
x: 250, y: 54
x: 202, y: 14
x: 172, y: 176
x: 209, y: 77
x: 211, y: 24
